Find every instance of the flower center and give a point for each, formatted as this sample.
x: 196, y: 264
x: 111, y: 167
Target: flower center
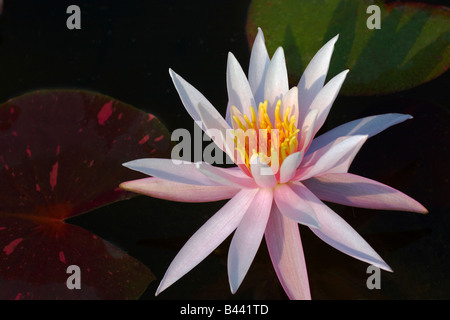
x: 270, y: 140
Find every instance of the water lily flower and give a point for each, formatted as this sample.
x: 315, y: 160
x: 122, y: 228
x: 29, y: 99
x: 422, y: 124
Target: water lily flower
x: 283, y: 181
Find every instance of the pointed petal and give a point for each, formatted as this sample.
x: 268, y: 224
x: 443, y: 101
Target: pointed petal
x: 338, y: 153
x: 289, y: 166
x: 325, y: 99
x: 225, y: 176
x: 356, y: 191
x: 208, y: 237
x: 263, y: 174
x: 286, y: 252
x: 314, y: 76
x: 211, y: 119
x: 247, y: 238
x: 290, y: 99
x: 174, y: 191
x: 276, y: 84
x: 228, y: 114
x: 190, y: 96
x: 239, y: 93
x: 294, y: 205
x: 365, y: 126
x: 216, y: 127
x: 307, y: 130
x: 259, y: 63
x: 222, y: 134
x: 176, y: 171
x: 339, y: 234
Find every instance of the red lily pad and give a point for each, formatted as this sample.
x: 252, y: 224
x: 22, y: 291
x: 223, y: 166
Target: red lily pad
x: 60, y: 156
x: 410, y: 47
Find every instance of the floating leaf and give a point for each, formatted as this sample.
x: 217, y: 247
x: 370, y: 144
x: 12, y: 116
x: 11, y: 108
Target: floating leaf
x: 60, y: 156
x: 410, y: 48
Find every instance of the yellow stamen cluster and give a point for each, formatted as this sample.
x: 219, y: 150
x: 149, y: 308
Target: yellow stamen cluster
x: 272, y: 142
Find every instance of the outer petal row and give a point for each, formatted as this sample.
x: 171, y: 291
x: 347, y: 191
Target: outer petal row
x: 200, y: 174
x: 295, y: 205
x: 356, y: 191
x: 369, y: 126
x: 339, y: 234
x: 248, y: 236
x: 208, y: 237
x: 339, y: 153
x: 174, y: 191
x: 286, y: 252
x: 171, y: 170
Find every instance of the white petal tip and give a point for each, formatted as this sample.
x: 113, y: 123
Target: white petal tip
x: 387, y: 268
x: 279, y: 50
x: 231, y: 56
x: 233, y: 289
x: 421, y: 209
x: 128, y: 164
x: 160, y: 289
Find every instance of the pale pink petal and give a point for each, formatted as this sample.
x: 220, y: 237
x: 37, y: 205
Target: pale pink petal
x: 307, y: 130
x: 365, y: 126
x: 313, y: 77
x: 276, y: 84
x: 290, y: 100
x: 190, y: 96
x: 174, y: 191
x: 172, y: 170
x: 329, y: 157
x: 289, y: 166
x: 247, y: 238
x: 294, y: 205
x: 239, y: 93
x: 344, y: 164
x: 218, y: 130
x: 259, y: 63
x: 325, y: 99
x: 356, y: 191
x: 208, y: 237
x: 225, y: 176
x: 339, y: 234
x: 211, y: 119
x: 286, y: 252
x: 228, y: 114
x: 263, y: 174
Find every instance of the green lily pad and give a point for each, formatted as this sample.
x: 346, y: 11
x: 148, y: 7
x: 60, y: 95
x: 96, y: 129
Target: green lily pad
x: 410, y: 48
